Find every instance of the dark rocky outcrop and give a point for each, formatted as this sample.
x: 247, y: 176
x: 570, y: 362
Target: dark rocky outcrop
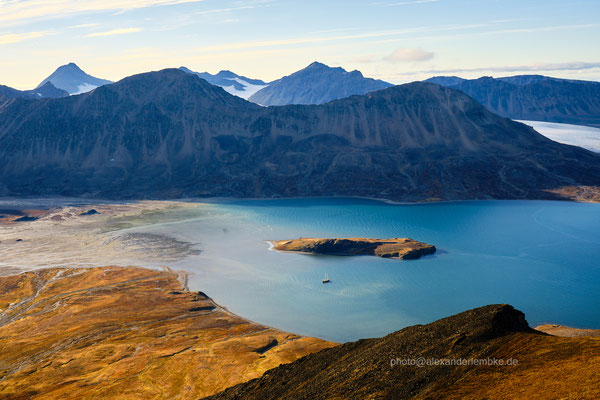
x: 533, y: 97
x: 89, y: 212
x: 401, y: 248
x: 170, y: 134
x: 26, y: 219
x: 316, y: 84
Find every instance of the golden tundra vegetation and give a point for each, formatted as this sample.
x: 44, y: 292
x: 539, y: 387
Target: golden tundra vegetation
x: 127, y: 333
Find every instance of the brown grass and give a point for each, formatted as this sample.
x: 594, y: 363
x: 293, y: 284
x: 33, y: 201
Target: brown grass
x: 549, y: 368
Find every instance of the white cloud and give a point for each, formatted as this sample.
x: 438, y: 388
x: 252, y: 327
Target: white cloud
x: 122, y: 31
x: 23, y: 11
x: 19, y: 37
x: 408, y: 55
x: 568, y: 66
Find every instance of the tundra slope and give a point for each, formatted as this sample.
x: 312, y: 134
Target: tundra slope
x: 171, y: 134
x: 402, y: 365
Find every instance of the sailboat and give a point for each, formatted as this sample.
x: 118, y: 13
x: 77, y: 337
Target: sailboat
x: 326, y: 279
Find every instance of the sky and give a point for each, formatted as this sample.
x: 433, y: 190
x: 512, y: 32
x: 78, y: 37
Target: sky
x: 397, y: 41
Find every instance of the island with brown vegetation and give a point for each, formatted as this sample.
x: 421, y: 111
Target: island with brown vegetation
x: 128, y: 333
x: 400, y: 248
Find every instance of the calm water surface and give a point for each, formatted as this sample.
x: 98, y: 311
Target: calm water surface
x: 542, y: 257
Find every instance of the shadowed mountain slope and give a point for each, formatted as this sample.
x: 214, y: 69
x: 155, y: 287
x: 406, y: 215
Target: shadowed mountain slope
x: 533, y: 97
x: 547, y: 366
x: 316, y: 84
x: 46, y: 91
x: 171, y: 134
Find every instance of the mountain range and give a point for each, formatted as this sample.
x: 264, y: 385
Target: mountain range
x: 235, y: 84
x: 533, y: 97
x: 521, y: 97
x: 73, y: 80
x: 171, y: 134
x: 316, y: 84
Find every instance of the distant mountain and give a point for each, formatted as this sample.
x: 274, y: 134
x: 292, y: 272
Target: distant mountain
x: 525, y: 79
x: 235, y: 84
x: 316, y: 84
x: 446, y: 80
x: 484, y: 353
x: 171, y: 134
x: 43, y: 92
x: 73, y: 80
x: 533, y: 97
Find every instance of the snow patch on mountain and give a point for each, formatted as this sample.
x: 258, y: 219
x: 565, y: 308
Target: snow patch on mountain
x: 249, y: 89
x: 86, y: 87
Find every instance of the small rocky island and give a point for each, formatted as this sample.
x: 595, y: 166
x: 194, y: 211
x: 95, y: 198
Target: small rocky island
x: 401, y: 248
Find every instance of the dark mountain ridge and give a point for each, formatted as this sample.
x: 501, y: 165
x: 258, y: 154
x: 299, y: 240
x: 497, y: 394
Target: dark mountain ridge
x: 533, y: 97
x: 224, y: 78
x: 402, y: 365
x: 170, y: 134
x: 46, y: 91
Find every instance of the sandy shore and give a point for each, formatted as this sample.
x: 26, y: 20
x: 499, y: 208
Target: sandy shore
x: 61, y: 236
x: 565, y: 331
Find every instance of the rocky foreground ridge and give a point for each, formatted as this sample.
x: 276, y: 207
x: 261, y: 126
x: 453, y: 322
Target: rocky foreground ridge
x: 401, y: 248
x: 170, y: 134
x: 402, y: 365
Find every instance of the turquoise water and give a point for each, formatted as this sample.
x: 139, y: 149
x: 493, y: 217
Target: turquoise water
x: 540, y: 256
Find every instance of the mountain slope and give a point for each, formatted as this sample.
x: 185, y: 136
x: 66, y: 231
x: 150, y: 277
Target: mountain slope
x: 46, y: 91
x: 170, y: 134
x: 547, y: 366
x: 73, y: 80
x: 234, y: 84
x: 534, y: 97
x: 316, y: 84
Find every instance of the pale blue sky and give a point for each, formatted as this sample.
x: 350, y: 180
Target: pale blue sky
x: 396, y: 40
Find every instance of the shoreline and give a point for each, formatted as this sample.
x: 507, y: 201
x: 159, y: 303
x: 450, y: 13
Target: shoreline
x: 220, y: 199
x: 551, y: 328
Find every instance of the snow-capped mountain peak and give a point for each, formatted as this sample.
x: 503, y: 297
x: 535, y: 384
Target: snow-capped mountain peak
x: 73, y: 79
